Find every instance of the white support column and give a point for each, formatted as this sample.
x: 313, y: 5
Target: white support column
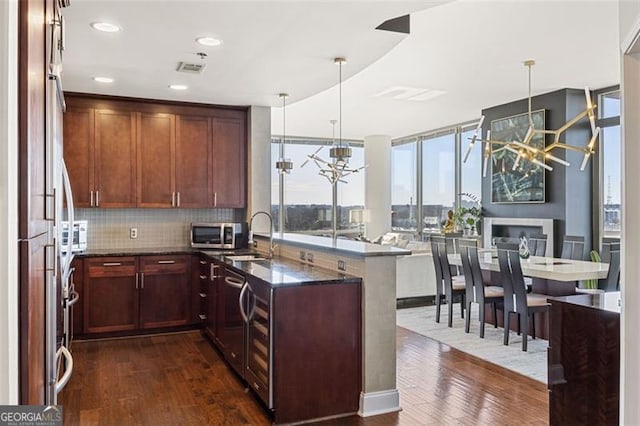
x: 377, y: 199
x: 259, y: 164
x: 630, y: 262
x: 8, y: 197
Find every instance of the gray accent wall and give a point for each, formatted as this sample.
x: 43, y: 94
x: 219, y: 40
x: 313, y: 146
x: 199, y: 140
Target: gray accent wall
x: 568, y: 191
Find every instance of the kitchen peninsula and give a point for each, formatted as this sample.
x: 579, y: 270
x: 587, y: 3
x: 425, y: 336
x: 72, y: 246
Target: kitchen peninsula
x: 376, y: 265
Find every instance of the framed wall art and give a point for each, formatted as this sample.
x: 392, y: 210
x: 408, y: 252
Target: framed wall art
x: 525, y: 183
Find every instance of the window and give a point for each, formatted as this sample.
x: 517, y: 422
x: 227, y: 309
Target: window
x: 404, y: 187
x: 438, y: 179
x: 609, y: 179
x: 308, y: 195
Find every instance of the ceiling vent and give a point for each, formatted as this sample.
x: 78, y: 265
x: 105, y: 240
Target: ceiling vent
x: 190, y: 68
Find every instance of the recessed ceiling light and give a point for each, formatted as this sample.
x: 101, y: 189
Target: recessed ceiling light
x: 105, y: 26
x: 209, y: 41
x: 178, y: 87
x: 103, y: 79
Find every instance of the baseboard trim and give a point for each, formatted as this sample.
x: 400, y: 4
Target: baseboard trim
x: 382, y: 402
x: 414, y: 302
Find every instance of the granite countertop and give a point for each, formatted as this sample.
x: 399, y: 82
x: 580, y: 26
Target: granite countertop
x: 339, y: 245
x: 281, y: 272
x: 135, y: 251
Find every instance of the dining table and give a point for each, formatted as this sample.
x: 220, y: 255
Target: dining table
x: 550, y: 275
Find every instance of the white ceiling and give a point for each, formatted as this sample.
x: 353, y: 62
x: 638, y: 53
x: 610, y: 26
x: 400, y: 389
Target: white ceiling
x: 470, y: 49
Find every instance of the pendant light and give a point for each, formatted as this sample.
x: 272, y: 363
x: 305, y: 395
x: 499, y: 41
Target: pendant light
x: 284, y: 165
x: 340, y: 152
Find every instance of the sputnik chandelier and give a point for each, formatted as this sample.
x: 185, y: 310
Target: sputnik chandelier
x: 524, y: 149
x: 337, y: 168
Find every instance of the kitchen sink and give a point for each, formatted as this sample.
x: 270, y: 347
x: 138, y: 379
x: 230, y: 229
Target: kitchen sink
x: 246, y: 257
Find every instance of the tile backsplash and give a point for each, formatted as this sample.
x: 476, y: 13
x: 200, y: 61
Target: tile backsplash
x: 110, y: 228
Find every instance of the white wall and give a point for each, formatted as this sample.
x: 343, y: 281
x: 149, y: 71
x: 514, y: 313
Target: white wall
x: 8, y: 201
x: 630, y: 263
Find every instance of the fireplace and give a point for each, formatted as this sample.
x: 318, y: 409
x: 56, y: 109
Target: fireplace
x: 513, y: 227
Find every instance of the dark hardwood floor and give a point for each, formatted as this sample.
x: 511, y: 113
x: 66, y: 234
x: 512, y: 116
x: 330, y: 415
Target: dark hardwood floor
x: 179, y: 379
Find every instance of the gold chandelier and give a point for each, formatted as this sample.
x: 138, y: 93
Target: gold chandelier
x: 526, y: 152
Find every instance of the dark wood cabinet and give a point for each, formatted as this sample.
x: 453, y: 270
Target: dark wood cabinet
x: 193, y: 171
x: 584, y: 360
x: 128, y: 153
x: 115, y: 158
x: 127, y: 294
x: 229, y: 163
x: 164, y: 291
x: 110, y: 294
x: 79, y: 151
x: 156, y: 160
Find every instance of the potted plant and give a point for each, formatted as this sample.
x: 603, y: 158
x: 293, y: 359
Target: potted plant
x: 466, y: 218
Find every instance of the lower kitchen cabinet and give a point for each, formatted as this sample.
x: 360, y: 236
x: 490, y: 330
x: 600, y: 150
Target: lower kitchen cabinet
x: 164, y: 291
x: 110, y: 294
x: 132, y: 293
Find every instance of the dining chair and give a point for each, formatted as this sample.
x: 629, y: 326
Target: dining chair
x: 476, y: 291
x: 572, y: 247
x: 516, y: 299
x: 448, y: 286
x: 608, y: 245
x: 538, y: 244
x: 612, y: 281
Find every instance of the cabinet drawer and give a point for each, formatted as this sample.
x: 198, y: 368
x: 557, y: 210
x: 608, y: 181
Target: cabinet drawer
x: 163, y: 264
x: 111, y: 267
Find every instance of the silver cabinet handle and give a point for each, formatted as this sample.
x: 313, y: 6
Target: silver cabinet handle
x: 178, y: 199
x: 203, y: 262
x: 203, y: 277
x: 97, y: 198
x: 112, y: 264
x: 215, y: 199
x: 202, y: 317
x: 212, y: 273
x: 173, y: 199
x: 242, y: 312
x: 136, y: 280
x: 203, y: 295
x: 142, y: 280
x: 67, y: 372
x: 233, y: 282
x: 166, y: 262
x: 91, y: 201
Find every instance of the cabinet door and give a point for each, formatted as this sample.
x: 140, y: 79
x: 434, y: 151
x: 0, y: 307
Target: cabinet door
x: 115, y: 158
x: 229, y: 163
x: 193, y: 162
x: 110, y: 294
x: 164, y: 291
x: 78, y: 124
x: 156, y: 160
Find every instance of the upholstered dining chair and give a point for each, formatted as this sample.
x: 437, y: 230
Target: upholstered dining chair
x: 476, y: 291
x: 538, y: 245
x: 448, y: 286
x: 516, y: 300
x: 572, y: 247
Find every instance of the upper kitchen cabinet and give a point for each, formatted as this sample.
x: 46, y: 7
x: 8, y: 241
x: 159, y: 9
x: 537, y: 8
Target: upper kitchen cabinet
x: 156, y: 160
x: 126, y: 153
x: 229, y: 163
x: 115, y: 158
x: 79, y: 152
x: 193, y: 162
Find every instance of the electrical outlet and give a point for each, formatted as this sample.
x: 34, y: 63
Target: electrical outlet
x: 310, y: 257
x: 133, y: 233
x: 342, y: 266
x: 303, y: 255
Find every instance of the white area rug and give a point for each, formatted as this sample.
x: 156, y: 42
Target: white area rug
x: 532, y: 363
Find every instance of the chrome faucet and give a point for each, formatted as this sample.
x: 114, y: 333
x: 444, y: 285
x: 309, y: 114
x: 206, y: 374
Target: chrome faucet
x: 251, y: 242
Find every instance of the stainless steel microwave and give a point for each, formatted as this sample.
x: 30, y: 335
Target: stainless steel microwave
x: 219, y: 235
